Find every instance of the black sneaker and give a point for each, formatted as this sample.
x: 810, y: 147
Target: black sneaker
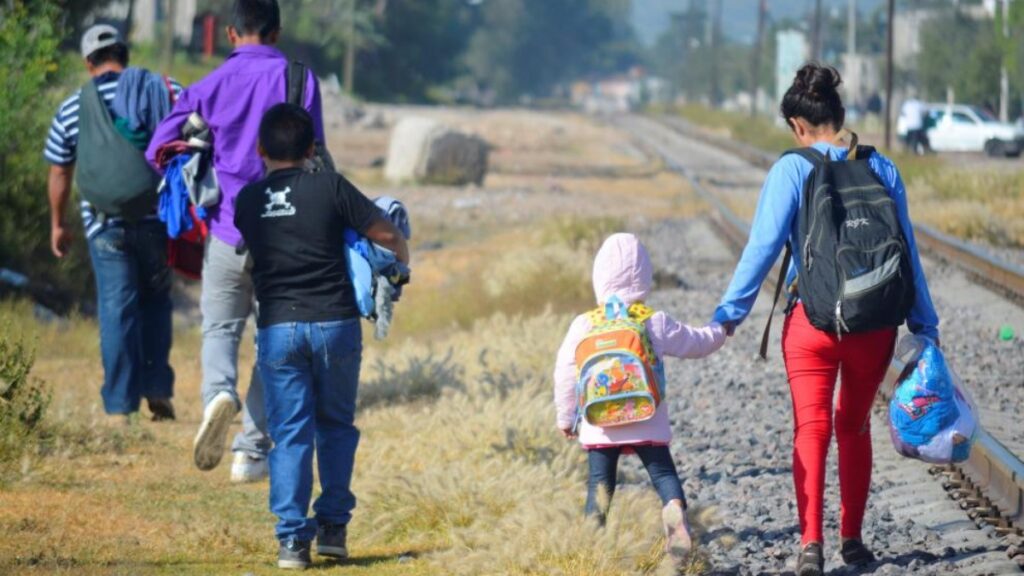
x: 162, y: 409
x: 855, y: 553
x: 330, y: 541
x: 811, y: 561
x: 293, y: 555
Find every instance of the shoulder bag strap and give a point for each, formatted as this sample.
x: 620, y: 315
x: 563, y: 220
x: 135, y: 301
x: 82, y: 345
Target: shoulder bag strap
x: 775, y: 301
x: 296, y: 83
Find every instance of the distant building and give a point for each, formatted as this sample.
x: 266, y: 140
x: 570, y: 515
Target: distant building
x: 906, y: 33
x: 149, y: 16
x: 907, y: 26
x: 861, y: 74
x: 620, y: 93
x: 791, y: 53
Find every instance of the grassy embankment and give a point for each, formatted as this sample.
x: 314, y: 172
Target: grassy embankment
x: 460, y: 469
x: 980, y: 205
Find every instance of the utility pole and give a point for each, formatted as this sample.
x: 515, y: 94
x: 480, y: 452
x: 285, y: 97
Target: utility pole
x: 755, y: 66
x: 816, y: 32
x: 888, y: 75
x: 167, y: 48
x: 350, y: 47
x: 1004, y: 76
x: 716, y: 40
x: 851, y: 28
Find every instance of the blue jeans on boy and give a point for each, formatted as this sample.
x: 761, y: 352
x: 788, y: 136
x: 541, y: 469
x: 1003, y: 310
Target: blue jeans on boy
x: 133, y: 290
x: 604, y: 464
x: 310, y: 375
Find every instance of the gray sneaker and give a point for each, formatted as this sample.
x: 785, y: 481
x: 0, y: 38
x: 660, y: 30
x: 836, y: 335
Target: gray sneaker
x: 293, y: 555
x: 330, y: 541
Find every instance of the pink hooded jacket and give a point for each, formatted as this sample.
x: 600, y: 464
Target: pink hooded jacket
x: 623, y: 268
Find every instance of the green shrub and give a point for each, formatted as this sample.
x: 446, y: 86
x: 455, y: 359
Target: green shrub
x: 23, y: 403
x: 31, y: 86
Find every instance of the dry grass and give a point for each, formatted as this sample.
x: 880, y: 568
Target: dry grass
x: 979, y: 206
x: 460, y: 469
x: 467, y: 475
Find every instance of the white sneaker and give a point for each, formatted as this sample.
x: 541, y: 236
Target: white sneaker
x: 208, y: 447
x: 246, y: 468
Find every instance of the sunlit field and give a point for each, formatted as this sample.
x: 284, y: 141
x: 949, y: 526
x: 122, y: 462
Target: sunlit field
x: 460, y: 469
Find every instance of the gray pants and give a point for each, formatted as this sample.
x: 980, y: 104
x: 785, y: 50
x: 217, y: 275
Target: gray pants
x: 226, y: 302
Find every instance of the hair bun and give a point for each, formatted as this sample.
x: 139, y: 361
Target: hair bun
x: 817, y: 81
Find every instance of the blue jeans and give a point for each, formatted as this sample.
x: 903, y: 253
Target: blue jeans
x: 604, y: 463
x: 310, y: 374
x: 133, y: 290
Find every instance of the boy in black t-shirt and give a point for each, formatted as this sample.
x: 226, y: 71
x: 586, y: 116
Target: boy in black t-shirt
x: 309, y: 338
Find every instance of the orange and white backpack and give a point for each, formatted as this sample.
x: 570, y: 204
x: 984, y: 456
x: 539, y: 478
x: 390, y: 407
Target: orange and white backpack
x: 620, y: 380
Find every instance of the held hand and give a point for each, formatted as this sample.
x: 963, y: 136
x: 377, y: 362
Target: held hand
x: 568, y: 433
x: 60, y: 241
x: 730, y: 328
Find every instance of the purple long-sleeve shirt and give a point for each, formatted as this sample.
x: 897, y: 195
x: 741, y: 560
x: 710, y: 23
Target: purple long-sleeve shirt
x: 232, y: 100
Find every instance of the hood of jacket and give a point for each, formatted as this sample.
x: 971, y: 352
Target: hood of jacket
x: 623, y: 268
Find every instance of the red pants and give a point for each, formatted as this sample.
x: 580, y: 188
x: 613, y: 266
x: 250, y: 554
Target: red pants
x: 813, y: 360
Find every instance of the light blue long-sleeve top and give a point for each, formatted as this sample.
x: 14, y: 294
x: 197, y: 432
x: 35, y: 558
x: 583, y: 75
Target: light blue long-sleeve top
x: 775, y: 222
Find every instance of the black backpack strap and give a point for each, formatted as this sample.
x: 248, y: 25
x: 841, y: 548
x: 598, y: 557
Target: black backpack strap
x: 775, y: 301
x: 865, y: 152
x: 810, y: 154
x: 296, y: 83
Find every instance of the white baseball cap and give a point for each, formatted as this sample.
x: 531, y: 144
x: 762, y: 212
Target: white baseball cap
x: 98, y: 37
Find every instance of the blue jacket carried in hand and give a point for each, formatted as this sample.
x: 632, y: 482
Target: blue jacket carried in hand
x: 377, y: 275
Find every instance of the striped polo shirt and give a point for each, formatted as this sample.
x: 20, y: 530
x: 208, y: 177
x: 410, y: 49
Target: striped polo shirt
x: 62, y: 140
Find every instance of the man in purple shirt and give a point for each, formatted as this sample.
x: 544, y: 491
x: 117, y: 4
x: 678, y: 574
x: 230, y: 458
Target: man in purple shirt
x: 232, y: 100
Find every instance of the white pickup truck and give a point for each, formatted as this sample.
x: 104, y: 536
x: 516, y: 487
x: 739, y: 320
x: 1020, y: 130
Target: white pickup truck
x: 963, y: 128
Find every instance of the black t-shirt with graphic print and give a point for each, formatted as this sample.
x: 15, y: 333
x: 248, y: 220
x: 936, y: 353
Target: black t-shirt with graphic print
x: 293, y: 223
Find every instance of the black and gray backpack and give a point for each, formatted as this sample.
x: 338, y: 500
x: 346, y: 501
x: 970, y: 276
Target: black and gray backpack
x: 854, y: 273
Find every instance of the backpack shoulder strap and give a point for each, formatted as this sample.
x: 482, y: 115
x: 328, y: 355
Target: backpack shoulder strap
x: 864, y: 152
x: 810, y: 154
x: 775, y: 301
x: 296, y: 83
x: 640, y: 312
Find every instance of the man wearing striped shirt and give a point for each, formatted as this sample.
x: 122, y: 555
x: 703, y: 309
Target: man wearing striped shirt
x: 129, y: 259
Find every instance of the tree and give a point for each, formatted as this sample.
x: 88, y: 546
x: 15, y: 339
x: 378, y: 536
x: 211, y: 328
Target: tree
x: 961, y: 53
x: 31, y: 33
x: 424, y: 43
x: 318, y: 31
x: 527, y: 47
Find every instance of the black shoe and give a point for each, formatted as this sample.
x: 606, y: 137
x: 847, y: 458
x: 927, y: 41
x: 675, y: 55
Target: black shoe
x: 293, y: 555
x: 855, y: 553
x: 811, y: 561
x: 162, y: 408
x: 330, y: 541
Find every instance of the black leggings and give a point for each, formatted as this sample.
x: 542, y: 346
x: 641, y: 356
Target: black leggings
x: 604, y: 463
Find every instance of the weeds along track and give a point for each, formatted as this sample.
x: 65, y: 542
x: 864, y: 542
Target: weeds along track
x: 979, y: 525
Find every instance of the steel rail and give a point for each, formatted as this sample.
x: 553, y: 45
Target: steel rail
x: 990, y: 485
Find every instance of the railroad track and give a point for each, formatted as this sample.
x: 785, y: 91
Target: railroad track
x: 989, y: 487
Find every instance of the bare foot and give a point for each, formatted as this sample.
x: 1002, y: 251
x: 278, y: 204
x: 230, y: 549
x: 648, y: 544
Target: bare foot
x: 678, y: 540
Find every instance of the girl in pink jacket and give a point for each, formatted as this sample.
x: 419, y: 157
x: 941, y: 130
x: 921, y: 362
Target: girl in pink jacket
x: 622, y: 268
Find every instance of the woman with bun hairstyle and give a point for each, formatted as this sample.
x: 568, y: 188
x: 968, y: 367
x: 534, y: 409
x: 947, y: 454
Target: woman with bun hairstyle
x: 815, y: 358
